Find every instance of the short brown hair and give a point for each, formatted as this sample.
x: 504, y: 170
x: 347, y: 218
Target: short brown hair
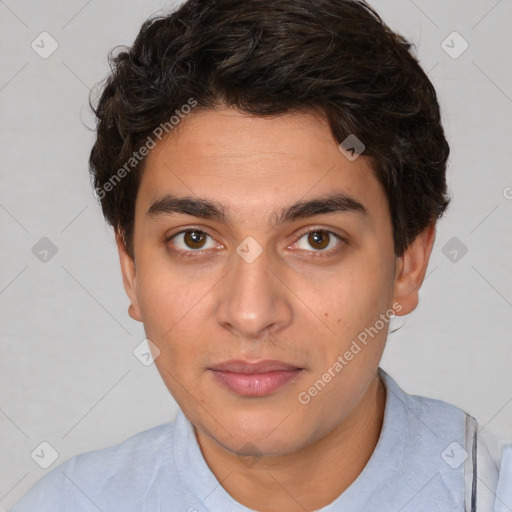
x: 268, y: 57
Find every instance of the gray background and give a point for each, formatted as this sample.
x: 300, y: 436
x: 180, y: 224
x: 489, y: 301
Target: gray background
x: 68, y: 375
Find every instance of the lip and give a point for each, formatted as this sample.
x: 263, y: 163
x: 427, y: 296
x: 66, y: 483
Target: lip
x: 254, y: 379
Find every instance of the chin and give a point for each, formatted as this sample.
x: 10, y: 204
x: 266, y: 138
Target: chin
x: 257, y: 433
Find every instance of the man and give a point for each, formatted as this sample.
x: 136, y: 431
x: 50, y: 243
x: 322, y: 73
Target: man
x: 274, y: 172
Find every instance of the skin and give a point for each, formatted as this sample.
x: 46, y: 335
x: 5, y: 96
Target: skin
x: 291, y: 304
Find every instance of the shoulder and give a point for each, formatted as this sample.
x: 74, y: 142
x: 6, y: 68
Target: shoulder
x: 137, y: 451
x: 431, y: 415
x: 104, y: 479
x: 504, y: 487
x: 448, y: 440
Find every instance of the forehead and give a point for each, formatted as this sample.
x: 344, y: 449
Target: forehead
x: 252, y: 164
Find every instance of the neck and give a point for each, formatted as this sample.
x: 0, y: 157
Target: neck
x: 310, y: 478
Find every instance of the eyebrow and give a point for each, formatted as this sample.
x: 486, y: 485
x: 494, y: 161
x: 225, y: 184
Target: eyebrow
x: 208, y: 209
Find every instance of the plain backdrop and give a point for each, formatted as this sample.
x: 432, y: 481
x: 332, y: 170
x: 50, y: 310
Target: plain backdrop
x: 68, y: 374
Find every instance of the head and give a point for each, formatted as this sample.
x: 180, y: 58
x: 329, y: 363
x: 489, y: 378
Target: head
x: 244, y: 231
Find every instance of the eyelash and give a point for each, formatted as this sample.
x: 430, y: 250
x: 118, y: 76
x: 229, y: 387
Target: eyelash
x: 198, y: 252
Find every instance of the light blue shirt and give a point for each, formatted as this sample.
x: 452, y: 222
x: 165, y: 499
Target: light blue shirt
x: 420, y: 464
x: 504, y: 488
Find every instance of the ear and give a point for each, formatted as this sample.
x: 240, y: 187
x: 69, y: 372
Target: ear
x: 128, y: 271
x: 411, y: 268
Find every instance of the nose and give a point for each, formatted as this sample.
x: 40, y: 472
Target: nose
x: 254, y: 301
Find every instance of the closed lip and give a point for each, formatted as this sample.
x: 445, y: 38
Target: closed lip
x: 240, y: 366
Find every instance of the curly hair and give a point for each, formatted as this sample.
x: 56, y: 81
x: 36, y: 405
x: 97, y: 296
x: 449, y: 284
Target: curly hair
x: 265, y: 58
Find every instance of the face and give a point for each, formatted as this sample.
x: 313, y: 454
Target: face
x: 262, y: 253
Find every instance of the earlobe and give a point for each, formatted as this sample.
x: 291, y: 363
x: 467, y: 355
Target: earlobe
x: 411, y: 269
x: 128, y: 272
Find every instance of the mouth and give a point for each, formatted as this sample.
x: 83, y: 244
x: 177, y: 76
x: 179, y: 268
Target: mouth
x: 254, y: 379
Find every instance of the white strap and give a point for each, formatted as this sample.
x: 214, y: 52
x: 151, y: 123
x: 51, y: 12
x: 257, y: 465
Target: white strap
x: 470, y: 466
x: 480, y: 471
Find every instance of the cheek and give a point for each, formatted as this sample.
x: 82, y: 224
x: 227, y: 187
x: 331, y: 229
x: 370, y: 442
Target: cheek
x: 354, y: 302
x: 166, y: 297
x: 174, y: 312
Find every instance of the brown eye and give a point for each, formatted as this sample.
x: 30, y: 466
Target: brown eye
x: 190, y: 241
x: 194, y: 239
x: 319, y: 239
